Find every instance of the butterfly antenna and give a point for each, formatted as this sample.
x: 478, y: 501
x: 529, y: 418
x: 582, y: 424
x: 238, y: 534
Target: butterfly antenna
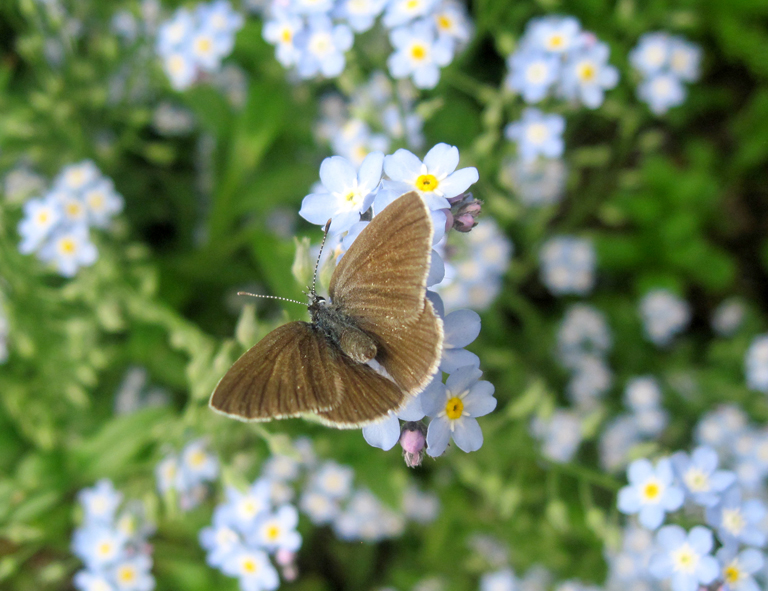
x: 317, y: 262
x: 254, y: 295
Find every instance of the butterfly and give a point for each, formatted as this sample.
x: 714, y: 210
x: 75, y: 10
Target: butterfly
x: 377, y: 310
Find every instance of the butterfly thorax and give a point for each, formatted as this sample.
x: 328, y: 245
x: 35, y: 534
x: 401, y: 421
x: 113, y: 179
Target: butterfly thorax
x: 341, y: 330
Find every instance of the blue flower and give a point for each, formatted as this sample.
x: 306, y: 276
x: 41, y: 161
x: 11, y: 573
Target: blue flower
x: 221, y: 540
x: 684, y: 558
x: 386, y: 433
x: 86, y: 580
x: 451, y: 22
x: 583, y: 331
x: 651, y: 492
x: 360, y: 14
x: 348, y: 193
x: 460, y: 328
x: 662, y: 92
x: 244, y: 508
x: 651, y: 54
x: 537, y: 134
x: 102, y: 202
x: 322, y: 45
x: 419, y: 54
x: 40, y: 217
x: 197, y: 466
x: 536, y: 182
x: 277, y: 531
x: 280, y: 31
x: 554, y: 34
x: 253, y: 570
x: 320, y: 507
x: 700, y: 477
x: 568, y: 265
x: 737, y: 569
x: 532, y: 73
x: 664, y: 315
x: 333, y: 479
x: 436, y: 179
x: 617, y: 439
x: 728, y: 317
x: 587, y: 75
x: 736, y: 520
x: 401, y: 12
x: 756, y: 364
x: 454, y: 408
x: 591, y: 379
x: 100, y: 502
x: 642, y: 393
x: 684, y: 59
x: 500, y: 580
x: 132, y: 574
x: 98, y: 545
x: 68, y: 250
x: 560, y: 434
x: 310, y: 7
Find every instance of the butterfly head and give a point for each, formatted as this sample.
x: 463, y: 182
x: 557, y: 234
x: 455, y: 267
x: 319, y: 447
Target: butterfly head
x: 316, y: 303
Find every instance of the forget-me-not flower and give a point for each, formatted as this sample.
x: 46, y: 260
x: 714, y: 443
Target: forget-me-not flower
x: 454, y: 408
x: 651, y: 492
x: 651, y: 54
x: 532, y: 74
x: 700, y: 476
x: 587, y: 75
x: 68, y: 250
x: 386, y: 434
x: 348, y: 193
x: 402, y: 12
x: 322, y: 45
x: 664, y: 315
x: 662, y: 92
x: 460, y: 328
x: 419, y: 53
x: 756, y: 364
x: 568, y: 265
x: 736, y: 520
x: 736, y: 569
x: 684, y: 557
x: 280, y: 30
x: 537, y: 134
x: 583, y: 331
x: 360, y: 14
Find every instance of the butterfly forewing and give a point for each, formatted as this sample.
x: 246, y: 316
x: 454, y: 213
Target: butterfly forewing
x: 286, y: 374
x: 382, y: 277
x: 366, y: 396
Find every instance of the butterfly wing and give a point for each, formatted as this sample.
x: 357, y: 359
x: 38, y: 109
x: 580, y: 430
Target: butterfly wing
x: 411, y: 352
x: 382, y: 278
x: 286, y: 374
x: 366, y: 396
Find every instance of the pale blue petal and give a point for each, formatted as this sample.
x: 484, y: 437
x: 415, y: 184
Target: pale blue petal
x: 398, y: 65
x: 651, y: 516
x: 439, y: 220
x: 337, y: 174
x: 705, y: 458
x: 708, y: 569
x: 461, y: 328
x: 467, y: 434
x: 438, y: 435
x: 751, y: 560
x: 426, y: 77
x: 383, y: 435
x: 671, y: 537
x: 437, y: 302
x: 479, y: 406
x: 639, y: 471
x: 333, y: 65
x: 453, y: 359
x: 402, y: 166
x: 462, y: 379
x: 700, y: 539
x: 458, y: 182
x: 413, y: 410
x: 661, y: 565
x: 682, y: 581
x: 673, y: 498
x: 369, y: 176
x: 433, y: 398
x: 436, y: 270
x: 664, y: 471
x: 342, y: 37
x: 318, y: 208
x: 629, y: 500
x: 722, y: 479
x: 442, y: 160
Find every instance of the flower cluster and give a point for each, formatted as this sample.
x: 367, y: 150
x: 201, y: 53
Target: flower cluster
x: 645, y: 420
x: 536, y: 182
x: 686, y: 558
x: 728, y: 317
x: 345, y: 195
x: 187, y: 475
x: 537, y: 135
x: 376, y: 115
x: 756, y: 364
x: 112, y: 544
x: 665, y: 62
x: 664, y: 315
x: 57, y: 225
x: 568, y: 265
x: 193, y: 43
x: 556, y: 57
x: 313, y: 36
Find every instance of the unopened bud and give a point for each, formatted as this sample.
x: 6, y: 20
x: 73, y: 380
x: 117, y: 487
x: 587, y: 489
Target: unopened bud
x: 287, y: 562
x: 464, y: 209
x: 413, y: 440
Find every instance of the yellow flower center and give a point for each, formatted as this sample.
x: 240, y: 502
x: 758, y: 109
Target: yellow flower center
x: 104, y: 549
x: 43, y: 217
x: 412, y: 4
x: 587, y: 71
x: 733, y: 521
x: 286, y: 36
x: 204, y: 45
x: 272, y: 532
x: 67, y: 246
x: 685, y: 559
x: 96, y: 200
x: 651, y: 492
x: 536, y: 73
x: 250, y: 566
x: 537, y: 133
x: 176, y: 63
x: 555, y: 42
x: 454, y: 408
x: 73, y: 209
x: 126, y: 574
x: 418, y: 52
x: 731, y: 574
x: 196, y: 459
x: 696, y: 480
x: 443, y: 22
x: 427, y: 182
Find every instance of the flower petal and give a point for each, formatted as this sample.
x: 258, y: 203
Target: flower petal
x: 458, y: 182
x: 438, y: 435
x: 442, y: 160
x: 461, y: 328
x: 467, y: 434
x: 383, y: 435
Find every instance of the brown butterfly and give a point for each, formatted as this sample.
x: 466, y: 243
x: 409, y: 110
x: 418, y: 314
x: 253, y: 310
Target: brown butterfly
x: 377, y: 310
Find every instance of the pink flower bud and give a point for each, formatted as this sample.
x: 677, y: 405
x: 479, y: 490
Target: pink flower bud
x: 464, y: 212
x: 413, y: 440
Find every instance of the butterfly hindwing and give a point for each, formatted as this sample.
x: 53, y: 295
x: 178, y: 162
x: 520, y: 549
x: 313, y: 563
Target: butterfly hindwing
x: 382, y: 277
x: 366, y: 396
x: 286, y: 374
